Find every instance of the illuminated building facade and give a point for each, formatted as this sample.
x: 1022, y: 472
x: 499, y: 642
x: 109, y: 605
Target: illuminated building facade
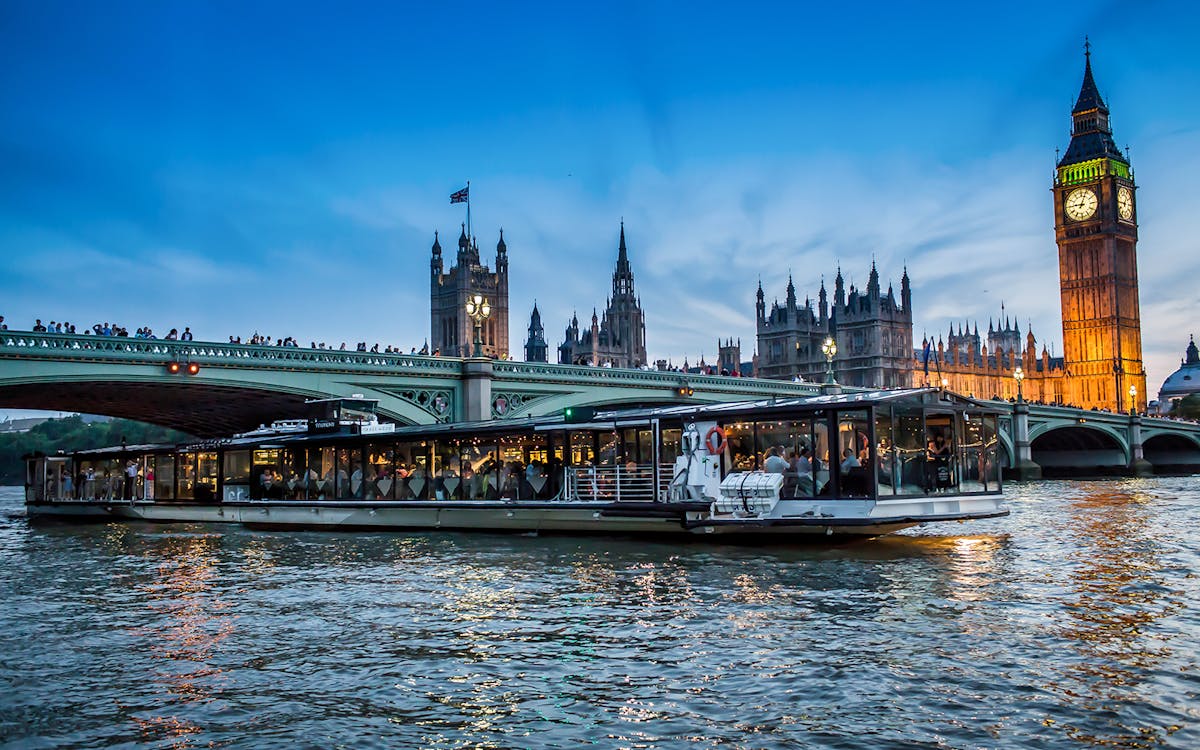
x: 1095, y: 218
x: 1096, y: 231
x: 967, y: 363
x: 452, y: 331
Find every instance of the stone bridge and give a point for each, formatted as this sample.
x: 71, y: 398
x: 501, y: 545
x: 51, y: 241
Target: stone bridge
x: 235, y: 387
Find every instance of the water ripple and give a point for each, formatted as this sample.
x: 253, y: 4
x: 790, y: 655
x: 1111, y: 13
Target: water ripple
x: 1072, y: 623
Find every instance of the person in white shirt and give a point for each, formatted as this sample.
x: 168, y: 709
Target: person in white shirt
x: 849, y: 460
x: 774, y: 463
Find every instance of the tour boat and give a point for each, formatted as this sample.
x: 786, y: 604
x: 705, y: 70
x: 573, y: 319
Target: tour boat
x: 832, y: 465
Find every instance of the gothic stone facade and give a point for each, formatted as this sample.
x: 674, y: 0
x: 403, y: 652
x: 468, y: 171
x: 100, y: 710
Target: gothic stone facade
x: 618, y: 339
x: 873, y: 332
x: 452, y: 331
x: 1096, y: 231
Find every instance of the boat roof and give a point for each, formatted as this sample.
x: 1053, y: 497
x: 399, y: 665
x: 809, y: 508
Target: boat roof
x: 602, y: 419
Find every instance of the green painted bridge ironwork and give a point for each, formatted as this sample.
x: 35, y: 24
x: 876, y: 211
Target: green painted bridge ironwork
x: 240, y: 386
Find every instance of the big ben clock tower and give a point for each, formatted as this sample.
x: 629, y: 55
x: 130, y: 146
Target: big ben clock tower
x: 1095, y: 218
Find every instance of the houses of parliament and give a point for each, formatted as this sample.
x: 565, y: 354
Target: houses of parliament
x: 1095, y: 215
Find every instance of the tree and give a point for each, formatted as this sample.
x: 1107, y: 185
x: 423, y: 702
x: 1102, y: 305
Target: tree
x: 72, y: 434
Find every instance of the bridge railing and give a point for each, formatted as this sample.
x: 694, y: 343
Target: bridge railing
x: 125, y: 349
x: 27, y: 344
x: 624, y: 376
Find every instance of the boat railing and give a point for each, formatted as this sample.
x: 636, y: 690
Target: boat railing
x: 634, y: 483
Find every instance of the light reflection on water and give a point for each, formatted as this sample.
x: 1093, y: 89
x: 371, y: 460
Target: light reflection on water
x: 1072, y: 623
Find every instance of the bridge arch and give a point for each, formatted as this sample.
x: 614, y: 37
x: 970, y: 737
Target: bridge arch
x: 204, y: 407
x: 1172, y: 452
x: 1079, y: 449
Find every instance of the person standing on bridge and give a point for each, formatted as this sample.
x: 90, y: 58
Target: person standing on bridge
x: 187, y: 334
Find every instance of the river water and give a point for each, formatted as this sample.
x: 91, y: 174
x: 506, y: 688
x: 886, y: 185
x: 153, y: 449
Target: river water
x: 1074, y: 622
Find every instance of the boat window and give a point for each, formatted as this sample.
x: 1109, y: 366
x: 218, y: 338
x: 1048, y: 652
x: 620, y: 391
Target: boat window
x: 293, y: 462
x: 206, y: 476
x: 447, y: 467
x: 379, y: 482
x: 185, y: 465
x: 267, y: 481
x: 672, y: 439
x: 164, y: 477
x: 319, y: 476
x: 414, y: 476
x: 523, y: 459
x: 887, y: 459
x: 609, y: 452
x: 348, y: 479
x: 582, y: 448
x: 977, y: 454
x: 909, y: 444
x: 855, y: 462
x: 237, y: 475
x: 822, y: 468
x: 941, y: 463
x: 739, y: 450
x: 478, y: 465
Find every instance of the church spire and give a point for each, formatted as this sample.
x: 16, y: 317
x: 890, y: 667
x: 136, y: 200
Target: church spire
x: 623, y: 275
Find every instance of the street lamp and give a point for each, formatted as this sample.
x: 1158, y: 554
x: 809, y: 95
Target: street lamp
x: 1133, y: 399
x: 480, y: 310
x: 829, y: 349
x: 1019, y: 376
x: 945, y: 383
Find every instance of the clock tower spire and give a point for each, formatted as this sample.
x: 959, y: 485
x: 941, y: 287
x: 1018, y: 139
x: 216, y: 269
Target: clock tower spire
x: 1096, y: 232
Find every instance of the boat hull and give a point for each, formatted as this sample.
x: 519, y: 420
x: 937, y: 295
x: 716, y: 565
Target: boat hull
x: 589, y: 518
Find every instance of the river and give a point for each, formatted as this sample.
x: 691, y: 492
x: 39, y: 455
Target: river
x: 1074, y: 622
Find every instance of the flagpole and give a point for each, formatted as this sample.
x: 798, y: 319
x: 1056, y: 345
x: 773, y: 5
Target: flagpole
x: 470, y: 236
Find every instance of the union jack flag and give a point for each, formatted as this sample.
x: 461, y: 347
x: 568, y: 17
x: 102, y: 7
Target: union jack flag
x: 460, y: 196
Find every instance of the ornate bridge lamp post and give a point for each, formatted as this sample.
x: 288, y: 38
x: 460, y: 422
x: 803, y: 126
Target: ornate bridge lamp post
x: 829, y: 349
x: 480, y: 310
x: 1133, y: 399
x: 1019, y: 376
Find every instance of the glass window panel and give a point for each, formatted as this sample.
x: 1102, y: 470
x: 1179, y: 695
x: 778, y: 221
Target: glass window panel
x: 909, y: 444
x: 991, y: 443
x: 739, y: 446
x: 320, y: 474
x: 447, y: 468
x: 971, y: 454
x: 672, y: 441
x: 940, y: 463
x: 380, y: 479
x: 207, y: 470
x: 164, y: 477
x: 855, y: 462
x: 887, y: 469
x: 185, y: 467
x: 267, y: 481
x: 412, y: 469
x: 582, y: 449
x: 236, y: 470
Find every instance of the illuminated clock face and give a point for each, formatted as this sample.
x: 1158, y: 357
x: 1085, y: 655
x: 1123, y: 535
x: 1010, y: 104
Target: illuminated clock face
x: 1081, y: 204
x: 1125, y: 203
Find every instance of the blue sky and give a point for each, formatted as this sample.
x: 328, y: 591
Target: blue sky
x: 281, y: 167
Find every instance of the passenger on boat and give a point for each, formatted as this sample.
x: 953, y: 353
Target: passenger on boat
x: 849, y: 460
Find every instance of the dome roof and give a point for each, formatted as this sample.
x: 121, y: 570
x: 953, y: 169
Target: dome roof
x: 1186, y: 380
